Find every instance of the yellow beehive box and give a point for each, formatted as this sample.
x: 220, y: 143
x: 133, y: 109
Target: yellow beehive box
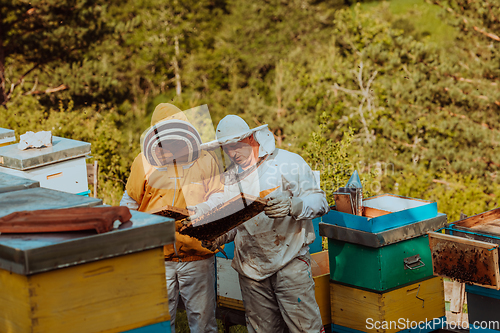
x: 110, y: 295
x: 387, y: 312
x: 321, y: 275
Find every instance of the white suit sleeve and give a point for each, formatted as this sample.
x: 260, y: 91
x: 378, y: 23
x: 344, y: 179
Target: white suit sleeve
x: 127, y: 201
x: 215, y: 199
x: 301, y: 182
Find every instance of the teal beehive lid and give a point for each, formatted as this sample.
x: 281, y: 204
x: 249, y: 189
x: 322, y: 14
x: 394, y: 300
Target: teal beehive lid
x: 384, y: 212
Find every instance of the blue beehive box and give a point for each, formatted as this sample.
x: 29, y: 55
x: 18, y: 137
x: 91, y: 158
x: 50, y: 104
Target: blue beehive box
x: 483, y: 305
x: 384, y: 212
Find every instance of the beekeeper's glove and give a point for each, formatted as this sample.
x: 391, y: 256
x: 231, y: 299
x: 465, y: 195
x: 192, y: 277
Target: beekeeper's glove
x: 281, y: 205
x: 278, y: 205
x: 199, y: 210
x: 212, y: 245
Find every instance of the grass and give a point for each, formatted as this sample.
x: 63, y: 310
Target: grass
x: 181, y: 324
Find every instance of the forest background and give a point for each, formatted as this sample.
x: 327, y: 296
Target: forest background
x: 406, y: 92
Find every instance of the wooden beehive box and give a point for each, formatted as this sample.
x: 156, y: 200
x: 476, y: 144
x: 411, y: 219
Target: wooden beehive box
x: 82, y: 281
x: 359, y: 310
x: 227, y: 216
x: 468, y: 252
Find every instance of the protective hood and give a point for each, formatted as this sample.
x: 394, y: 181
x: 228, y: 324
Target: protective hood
x: 171, y: 141
x: 232, y: 129
x: 166, y: 111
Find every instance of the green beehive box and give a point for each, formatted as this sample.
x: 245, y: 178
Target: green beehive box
x: 380, y: 261
x: 380, y: 268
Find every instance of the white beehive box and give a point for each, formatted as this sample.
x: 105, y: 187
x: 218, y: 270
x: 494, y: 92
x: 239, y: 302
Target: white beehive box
x: 60, y: 167
x: 7, y: 136
x: 228, y: 285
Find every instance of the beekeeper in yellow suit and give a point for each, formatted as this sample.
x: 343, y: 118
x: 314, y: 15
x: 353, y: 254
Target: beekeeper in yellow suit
x: 271, y: 252
x: 172, y: 170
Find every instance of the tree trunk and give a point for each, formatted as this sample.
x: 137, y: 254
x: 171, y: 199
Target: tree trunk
x: 178, y: 87
x: 3, y: 96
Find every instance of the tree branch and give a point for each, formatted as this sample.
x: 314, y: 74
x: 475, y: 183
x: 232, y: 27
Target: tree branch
x: 18, y: 82
x: 487, y: 34
x: 48, y: 90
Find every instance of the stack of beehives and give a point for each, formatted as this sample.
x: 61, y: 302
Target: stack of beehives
x: 80, y: 281
x: 468, y: 252
x: 381, y: 275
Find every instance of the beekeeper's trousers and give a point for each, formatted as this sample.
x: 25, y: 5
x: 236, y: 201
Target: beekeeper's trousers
x: 194, y: 281
x: 285, y: 299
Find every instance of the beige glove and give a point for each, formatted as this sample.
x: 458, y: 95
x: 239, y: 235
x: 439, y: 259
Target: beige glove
x: 278, y: 205
x: 281, y: 205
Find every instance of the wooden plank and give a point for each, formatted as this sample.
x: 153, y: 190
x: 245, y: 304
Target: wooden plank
x: 320, y: 263
x: 491, y: 227
x: 465, y: 241
x: 479, y: 220
x: 110, y: 295
x: 465, y: 260
x: 230, y: 303
x: 322, y: 293
x: 373, y: 212
x: 456, y: 297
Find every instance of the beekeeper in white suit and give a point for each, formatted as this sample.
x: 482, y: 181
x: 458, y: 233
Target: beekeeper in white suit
x: 272, y: 249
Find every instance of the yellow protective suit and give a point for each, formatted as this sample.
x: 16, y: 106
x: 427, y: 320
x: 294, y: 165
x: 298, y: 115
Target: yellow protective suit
x: 181, y: 186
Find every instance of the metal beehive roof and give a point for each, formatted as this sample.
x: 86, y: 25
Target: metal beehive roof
x: 9, y: 183
x: 33, y: 253
x: 7, y: 135
x: 62, y: 149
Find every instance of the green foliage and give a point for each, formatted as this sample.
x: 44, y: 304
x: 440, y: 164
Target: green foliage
x: 36, y: 34
x: 332, y: 159
x: 381, y: 88
x: 454, y: 193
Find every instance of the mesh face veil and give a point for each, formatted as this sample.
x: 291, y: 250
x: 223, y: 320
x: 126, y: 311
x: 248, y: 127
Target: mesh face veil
x: 169, y: 141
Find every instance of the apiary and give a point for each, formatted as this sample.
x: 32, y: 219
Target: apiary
x: 82, y: 281
x: 60, y: 167
x: 7, y: 136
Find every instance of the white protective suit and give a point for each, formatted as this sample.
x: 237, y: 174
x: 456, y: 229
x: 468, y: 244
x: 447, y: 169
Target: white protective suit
x: 271, y: 255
